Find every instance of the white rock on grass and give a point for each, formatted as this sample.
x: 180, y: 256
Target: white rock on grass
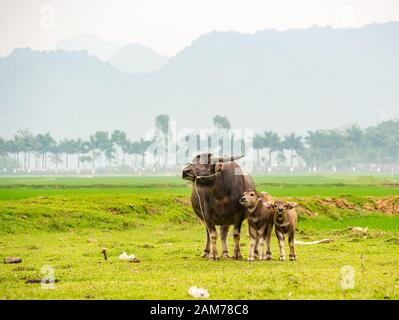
x: 196, y: 292
x: 132, y: 258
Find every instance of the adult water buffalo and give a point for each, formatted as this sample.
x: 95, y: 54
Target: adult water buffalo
x: 218, y: 184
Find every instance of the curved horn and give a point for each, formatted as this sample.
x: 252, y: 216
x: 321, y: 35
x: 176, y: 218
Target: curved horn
x: 226, y: 159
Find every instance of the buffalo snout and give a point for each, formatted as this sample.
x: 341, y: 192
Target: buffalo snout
x: 243, y: 200
x: 187, y: 173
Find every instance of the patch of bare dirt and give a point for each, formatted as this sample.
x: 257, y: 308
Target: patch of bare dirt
x: 387, y: 205
x: 339, y: 203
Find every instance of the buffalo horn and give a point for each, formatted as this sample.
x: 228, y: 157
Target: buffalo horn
x: 226, y: 159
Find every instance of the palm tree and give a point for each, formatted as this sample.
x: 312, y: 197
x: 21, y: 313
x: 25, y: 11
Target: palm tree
x: 118, y: 138
x: 293, y: 143
x: 132, y: 148
x: 15, y: 146
x: 222, y: 125
x: 314, y: 141
x: 55, y: 149
x: 12, y: 148
x: 67, y: 146
x: 25, y: 140
x: 273, y: 142
x: 142, y: 147
x: 79, y: 147
x: 258, y: 143
x: 162, y: 124
x: 221, y: 122
x: 44, y: 143
x: 100, y: 142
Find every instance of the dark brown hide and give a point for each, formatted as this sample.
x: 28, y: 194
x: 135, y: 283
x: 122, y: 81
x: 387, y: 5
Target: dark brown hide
x: 218, y: 186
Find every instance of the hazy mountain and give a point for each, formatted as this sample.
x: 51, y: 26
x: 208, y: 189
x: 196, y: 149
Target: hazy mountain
x: 61, y: 92
x: 295, y: 80
x: 136, y: 58
x: 95, y: 46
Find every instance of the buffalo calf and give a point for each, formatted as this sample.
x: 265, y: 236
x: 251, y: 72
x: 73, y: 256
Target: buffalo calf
x: 285, y: 221
x: 266, y: 197
x: 260, y: 223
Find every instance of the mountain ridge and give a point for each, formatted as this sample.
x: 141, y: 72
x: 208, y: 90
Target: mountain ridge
x: 285, y: 81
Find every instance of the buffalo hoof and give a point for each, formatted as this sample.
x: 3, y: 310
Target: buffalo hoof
x: 292, y: 257
x: 238, y: 256
x: 213, y: 258
x: 226, y: 255
x: 250, y: 259
x: 205, y: 254
x: 282, y: 258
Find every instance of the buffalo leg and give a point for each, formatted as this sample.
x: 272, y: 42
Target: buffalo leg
x: 262, y: 241
x: 280, y: 238
x: 224, y: 231
x: 268, y: 239
x: 256, y: 247
x: 253, y: 235
x: 214, y: 236
x: 292, y: 249
x: 236, y: 235
x: 207, y: 249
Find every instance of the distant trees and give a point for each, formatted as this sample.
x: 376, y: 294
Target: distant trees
x: 100, y: 144
x: 118, y: 138
x: 25, y: 142
x: 162, y: 124
x: 272, y: 142
x: 45, y: 143
x: 293, y: 143
x: 351, y: 148
x: 221, y: 122
x: 258, y: 144
x: 223, y: 126
x: 45, y: 147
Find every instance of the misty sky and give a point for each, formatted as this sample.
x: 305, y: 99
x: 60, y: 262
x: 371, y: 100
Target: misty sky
x: 168, y: 26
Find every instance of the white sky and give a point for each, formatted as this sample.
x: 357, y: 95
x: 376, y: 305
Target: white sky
x: 168, y: 26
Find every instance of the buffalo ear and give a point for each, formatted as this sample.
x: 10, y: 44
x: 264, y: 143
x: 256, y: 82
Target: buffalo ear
x: 219, y: 167
x: 268, y: 204
x: 292, y: 205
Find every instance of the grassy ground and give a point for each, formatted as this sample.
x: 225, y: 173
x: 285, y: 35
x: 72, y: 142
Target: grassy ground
x: 64, y: 223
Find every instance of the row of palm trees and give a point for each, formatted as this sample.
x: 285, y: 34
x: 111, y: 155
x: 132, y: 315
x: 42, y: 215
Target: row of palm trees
x: 44, y: 146
x: 274, y: 143
x: 346, y: 147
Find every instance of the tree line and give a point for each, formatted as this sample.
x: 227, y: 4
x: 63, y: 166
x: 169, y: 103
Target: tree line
x: 350, y: 147
x: 43, y: 147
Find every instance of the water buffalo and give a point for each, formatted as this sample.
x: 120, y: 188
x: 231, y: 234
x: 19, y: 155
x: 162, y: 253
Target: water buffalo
x: 218, y: 183
x: 285, y: 221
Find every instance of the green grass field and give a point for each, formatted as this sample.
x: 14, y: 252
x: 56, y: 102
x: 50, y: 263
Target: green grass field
x: 64, y: 223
